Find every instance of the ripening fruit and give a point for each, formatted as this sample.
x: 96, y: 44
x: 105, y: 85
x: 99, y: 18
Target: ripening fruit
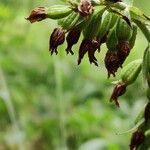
x: 114, y: 19
x: 133, y: 36
x: 112, y: 40
x: 105, y: 24
x: 58, y: 11
x: 146, y: 65
x: 92, y: 29
x: 131, y: 71
x: 123, y: 30
x: 69, y: 21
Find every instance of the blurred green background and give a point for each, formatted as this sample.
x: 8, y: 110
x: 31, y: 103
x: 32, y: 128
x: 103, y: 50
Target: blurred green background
x: 50, y: 103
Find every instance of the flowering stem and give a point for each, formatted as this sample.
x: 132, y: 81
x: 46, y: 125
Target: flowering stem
x: 120, y: 5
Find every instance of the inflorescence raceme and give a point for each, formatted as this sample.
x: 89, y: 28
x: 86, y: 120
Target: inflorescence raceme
x: 103, y: 21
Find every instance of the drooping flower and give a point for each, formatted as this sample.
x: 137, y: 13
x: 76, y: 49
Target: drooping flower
x: 137, y: 139
x: 118, y: 91
x: 147, y: 113
x: 85, y: 7
x: 101, y: 41
x: 123, y: 50
x: 111, y: 62
x: 57, y: 38
x: 37, y: 14
x: 148, y: 79
x: 72, y: 38
x: 90, y: 46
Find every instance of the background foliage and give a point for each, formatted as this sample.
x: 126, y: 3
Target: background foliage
x: 50, y: 102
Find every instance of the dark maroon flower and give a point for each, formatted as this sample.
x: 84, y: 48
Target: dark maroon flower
x: 85, y: 7
x: 111, y: 62
x: 57, y: 38
x: 148, y: 79
x: 84, y: 47
x: 91, y: 52
x: 147, y: 113
x: 137, y: 139
x: 90, y: 46
x: 123, y: 50
x: 101, y: 41
x: 104, y: 38
x: 72, y: 38
x: 37, y: 14
x: 119, y: 90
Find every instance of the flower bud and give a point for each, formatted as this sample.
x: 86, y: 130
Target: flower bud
x: 137, y: 139
x: 111, y: 62
x: 119, y: 90
x: 57, y: 38
x: 147, y: 113
x: 85, y: 7
x: 72, y: 38
x: 37, y: 14
x: 123, y: 50
x: 90, y: 46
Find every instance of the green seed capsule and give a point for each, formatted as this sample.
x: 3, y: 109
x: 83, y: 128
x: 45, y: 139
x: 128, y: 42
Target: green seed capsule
x: 69, y: 21
x: 112, y: 40
x: 123, y: 31
x: 92, y: 28
x: 133, y: 36
x: 131, y: 71
x: 146, y: 64
x: 105, y: 24
x: 58, y: 11
x: 114, y: 19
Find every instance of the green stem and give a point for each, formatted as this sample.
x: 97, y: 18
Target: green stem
x: 60, y: 104
x: 144, y: 29
x: 120, y: 5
